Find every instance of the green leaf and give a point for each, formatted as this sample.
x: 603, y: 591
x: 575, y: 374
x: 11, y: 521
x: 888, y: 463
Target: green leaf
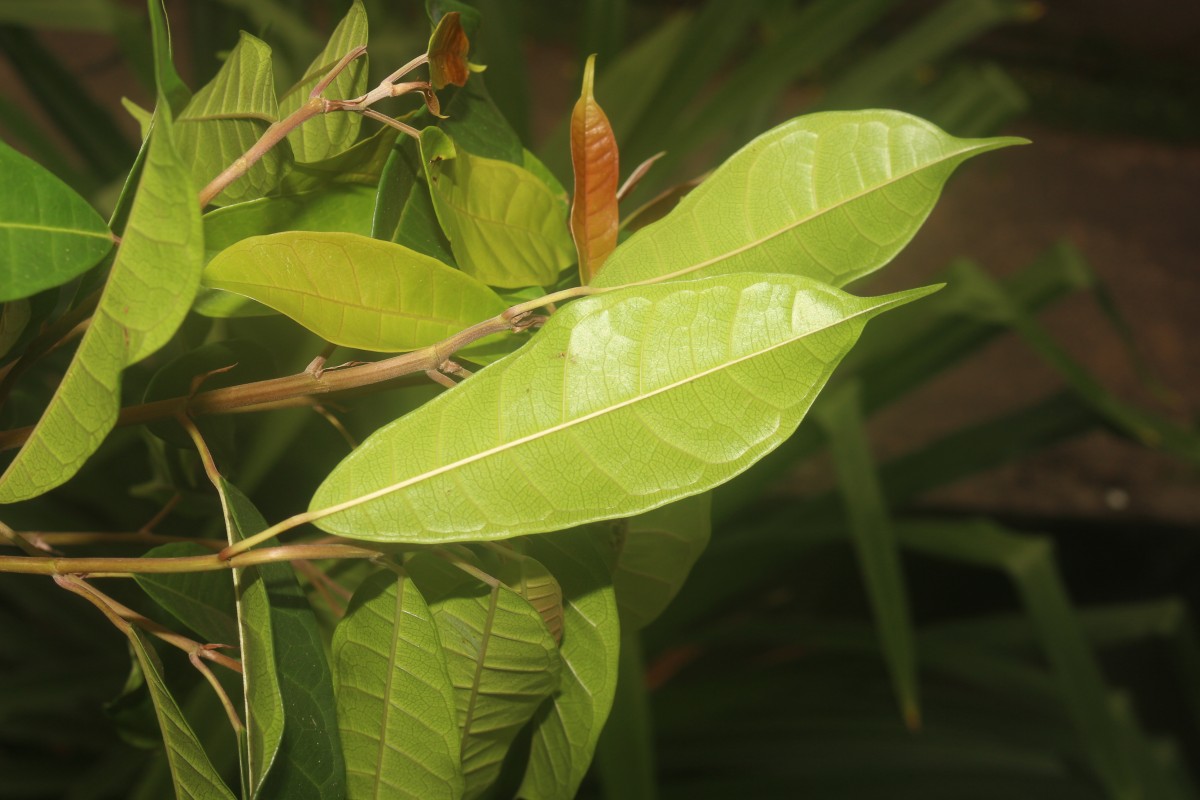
x: 839, y: 194
x: 706, y: 376
x: 395, y: 700
x: 334, y: 207
x: 531, y: 162
x: 502, y: 661
x: 568, y: 725
x: 504, y: 224
x: 530, y: 579
x: 226, y: 117
x: 149, y: 290
x: 658, y: 552
x: 191, y: 771
x: 353, y: 290
x: 329, y: 134
x: 171, y: 87
x: 310, y: 764
x: 840, y: 414
x: 403, y: 208
x: 260, y: 676
x: 203, y: 601
x: 48, y: 233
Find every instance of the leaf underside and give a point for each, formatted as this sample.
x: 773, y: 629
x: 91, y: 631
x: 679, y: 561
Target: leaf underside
x: 832, y: 196
x: 622, y: 403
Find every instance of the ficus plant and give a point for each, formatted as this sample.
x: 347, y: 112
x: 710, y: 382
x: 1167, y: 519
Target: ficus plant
x: 442, y: 617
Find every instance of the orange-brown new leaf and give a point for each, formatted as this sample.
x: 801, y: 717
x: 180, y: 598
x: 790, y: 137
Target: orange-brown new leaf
x: 594, y: 214
x: 448, y: 47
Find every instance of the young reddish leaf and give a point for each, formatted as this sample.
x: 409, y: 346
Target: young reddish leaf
x: 594, y: 214
x: 448, y: 48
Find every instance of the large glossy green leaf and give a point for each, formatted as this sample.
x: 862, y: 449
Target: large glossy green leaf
x: 191, y: 770
x: 840, y: 414
x: 149, y: 289
x: 504, y: 224
x: 622, y: 403
x: 329, y: 134
x: 658, y: 552
x: 353, y: 290
x: 310, y: 764
x: 502, y: 661
x: 48, y: 233
x: 204, y: 601
x: 360, y: 164
x: 260, y: 674
x: 226, y: 117
x: 476, y: 125
x: 568, y: 725
x: 832, y: 196
x: 395, y: 700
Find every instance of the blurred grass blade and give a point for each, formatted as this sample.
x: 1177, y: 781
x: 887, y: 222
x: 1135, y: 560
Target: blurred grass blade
x: 943, y: 30
x: 971, y: 100
x: 88, y: 127
x: 499, y: 45
x: 809, y: 38
x: 839, y: 414
x: 625, y: 753
x: 1029, y: 562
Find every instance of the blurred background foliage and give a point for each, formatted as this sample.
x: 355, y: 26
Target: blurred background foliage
x: 843, y: 635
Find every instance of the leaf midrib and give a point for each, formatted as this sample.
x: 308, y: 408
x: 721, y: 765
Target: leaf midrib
x: 57, y: 229
x: 226, y: 284
x: 568, y: 424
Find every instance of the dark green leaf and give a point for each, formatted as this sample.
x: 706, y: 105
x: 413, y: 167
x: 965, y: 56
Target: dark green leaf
x: 657, y: 553
x: 403, y: 208
x: 48, y: 233
x: 310, y: 764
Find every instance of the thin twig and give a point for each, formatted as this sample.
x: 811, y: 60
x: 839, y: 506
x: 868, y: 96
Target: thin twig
x: 119, y: 566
